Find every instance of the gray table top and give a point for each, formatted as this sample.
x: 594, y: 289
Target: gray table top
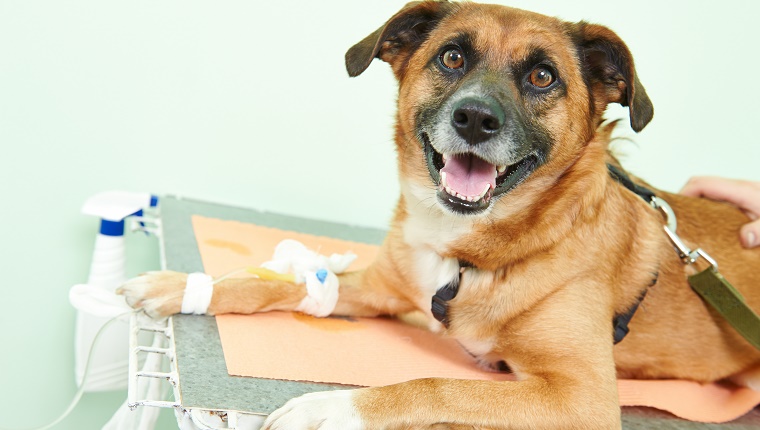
x: 204, y: 381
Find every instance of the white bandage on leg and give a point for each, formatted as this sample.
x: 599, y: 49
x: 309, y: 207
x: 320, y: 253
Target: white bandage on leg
x: 321, y: 296
x: 317, y: 271
x: 198, y: 292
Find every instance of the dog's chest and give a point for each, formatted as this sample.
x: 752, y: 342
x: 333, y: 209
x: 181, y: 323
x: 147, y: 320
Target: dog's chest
x: 430, y: 234
x: 432, y: 272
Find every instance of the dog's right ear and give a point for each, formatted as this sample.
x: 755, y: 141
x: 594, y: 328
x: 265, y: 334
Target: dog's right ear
x: 395, y: 41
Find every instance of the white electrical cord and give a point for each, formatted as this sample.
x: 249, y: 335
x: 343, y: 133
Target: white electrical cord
x: 80, y: 391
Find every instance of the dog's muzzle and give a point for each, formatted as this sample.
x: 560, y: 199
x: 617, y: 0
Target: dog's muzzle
x: 467, y: 182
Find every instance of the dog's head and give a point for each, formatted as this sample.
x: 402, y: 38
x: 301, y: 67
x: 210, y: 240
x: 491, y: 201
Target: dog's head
x: 489, y: 95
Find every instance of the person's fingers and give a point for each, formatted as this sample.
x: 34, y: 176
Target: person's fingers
x: 750, y: 234
x: 744, y: 194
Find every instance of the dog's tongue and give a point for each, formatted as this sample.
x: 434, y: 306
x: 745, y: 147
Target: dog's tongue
x: 468, y: 175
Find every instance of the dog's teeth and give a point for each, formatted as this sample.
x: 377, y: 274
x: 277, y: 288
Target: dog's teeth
x: 501, y: 169
x: 444, y: 184
x: 472, y: 199
x: 485, y: 190
x: 446, y: 157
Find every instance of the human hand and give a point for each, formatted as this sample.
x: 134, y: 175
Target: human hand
x: 743, y: 194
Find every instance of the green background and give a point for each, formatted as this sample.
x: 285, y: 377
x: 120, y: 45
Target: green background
x: 247, y: 102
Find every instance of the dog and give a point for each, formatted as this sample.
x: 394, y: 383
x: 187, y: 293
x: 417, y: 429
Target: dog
x: 506, y: 189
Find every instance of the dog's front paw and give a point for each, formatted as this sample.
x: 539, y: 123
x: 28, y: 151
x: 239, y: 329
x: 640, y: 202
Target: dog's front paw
x: 327, y: 410
x: 159, y: 293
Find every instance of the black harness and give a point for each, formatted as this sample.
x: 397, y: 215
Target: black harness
x: 440, y: 305
x: 620, y: 322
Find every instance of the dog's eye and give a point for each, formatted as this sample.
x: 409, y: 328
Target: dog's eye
x: 541, y: 77
x: 452, y: 59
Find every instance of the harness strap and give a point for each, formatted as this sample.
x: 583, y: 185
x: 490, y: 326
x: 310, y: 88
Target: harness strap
x: 620, y: 321
x: 625, y: 180
x: 439, y: 306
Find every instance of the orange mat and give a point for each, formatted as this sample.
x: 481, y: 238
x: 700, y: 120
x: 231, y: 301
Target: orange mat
x: 302, y: 348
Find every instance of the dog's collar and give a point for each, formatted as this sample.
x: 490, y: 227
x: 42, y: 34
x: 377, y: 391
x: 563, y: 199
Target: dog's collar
x: 622, y: 177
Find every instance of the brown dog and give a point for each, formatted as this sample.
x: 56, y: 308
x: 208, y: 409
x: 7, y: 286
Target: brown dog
x: 503, y: 162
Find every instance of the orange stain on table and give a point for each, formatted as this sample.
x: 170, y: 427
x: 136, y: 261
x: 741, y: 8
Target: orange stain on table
x: 235, y: 247
x: 332, y: 324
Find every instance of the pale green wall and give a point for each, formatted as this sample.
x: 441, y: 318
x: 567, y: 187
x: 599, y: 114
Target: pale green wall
x: 247, y: 102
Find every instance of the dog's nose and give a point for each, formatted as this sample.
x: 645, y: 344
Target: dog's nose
x: 476, y: 120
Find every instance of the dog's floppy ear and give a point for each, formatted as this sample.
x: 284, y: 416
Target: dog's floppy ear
x: 398, y: 38
x: 611, y: 73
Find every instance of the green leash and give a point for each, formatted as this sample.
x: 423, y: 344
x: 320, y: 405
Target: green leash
x: 714, y: 289
x: 727, y: 301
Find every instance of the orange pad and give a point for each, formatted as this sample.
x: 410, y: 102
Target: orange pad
x: 351, y: 351
x: 371, y: 352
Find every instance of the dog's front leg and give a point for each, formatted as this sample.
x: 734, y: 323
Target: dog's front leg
x: 535, y: 403
x: 160, y: 294
x: 561, y: 351
x: 370, y: 292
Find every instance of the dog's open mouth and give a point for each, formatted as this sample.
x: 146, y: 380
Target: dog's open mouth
x: 467, y: 183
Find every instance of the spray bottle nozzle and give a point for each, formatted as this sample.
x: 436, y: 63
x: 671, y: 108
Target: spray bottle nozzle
x: 112, y: 207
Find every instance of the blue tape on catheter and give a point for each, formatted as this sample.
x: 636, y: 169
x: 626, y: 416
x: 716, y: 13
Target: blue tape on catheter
x: 111, y: 228
x: 321, y: 275
x: 153, y: 201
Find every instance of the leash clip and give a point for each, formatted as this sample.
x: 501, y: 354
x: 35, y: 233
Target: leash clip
x: 686, y: 254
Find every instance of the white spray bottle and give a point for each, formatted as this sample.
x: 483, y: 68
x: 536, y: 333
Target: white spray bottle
x: 96, y: 301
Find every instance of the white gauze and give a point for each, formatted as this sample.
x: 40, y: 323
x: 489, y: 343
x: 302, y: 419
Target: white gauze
x: 318, y: 272
x: 198, y: 292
